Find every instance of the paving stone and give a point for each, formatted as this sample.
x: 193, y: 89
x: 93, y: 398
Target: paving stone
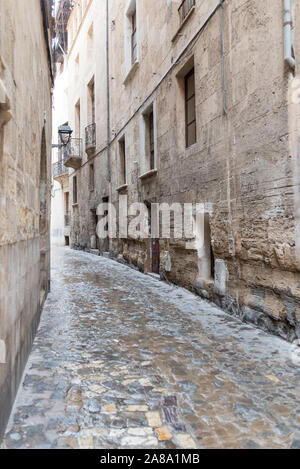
x: 163, y: 433
x: 86, y: 443
x: 154, y: 419
x: 94, y: 431
x: 137, y: 408
x: 140, y: 431
x: 186, y: 441
x: 115, y: 433
x: 139, y: 442
x: 110, y: 408
x: 97, y: 389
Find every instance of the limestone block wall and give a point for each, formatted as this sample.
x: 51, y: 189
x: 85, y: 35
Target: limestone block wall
x: 243, y: 166
x: 25, y: 185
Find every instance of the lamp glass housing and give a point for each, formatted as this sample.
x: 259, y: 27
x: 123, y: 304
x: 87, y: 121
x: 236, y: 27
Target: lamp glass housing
x: 65, y: 133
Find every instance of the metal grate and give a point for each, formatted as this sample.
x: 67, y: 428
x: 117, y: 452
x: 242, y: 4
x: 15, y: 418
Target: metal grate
x: 59, y: 169
x: 185, y: 8
x: 73, y: 149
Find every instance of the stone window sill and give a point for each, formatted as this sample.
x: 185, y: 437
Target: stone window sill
x: 131, y: 72
x: 148, y: 174
x: 75, y: 205
x: 122, y: 188
x: 183, y: 23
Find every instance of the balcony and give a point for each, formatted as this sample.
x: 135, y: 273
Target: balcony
x: 72, y: 153
x: 90, y: 139
x: 185, y: 8
x: 59, y: 169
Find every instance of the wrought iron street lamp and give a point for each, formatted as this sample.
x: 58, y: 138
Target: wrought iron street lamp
x: 64, y: 133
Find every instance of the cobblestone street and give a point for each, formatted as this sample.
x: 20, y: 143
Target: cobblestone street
x: 122, y: 360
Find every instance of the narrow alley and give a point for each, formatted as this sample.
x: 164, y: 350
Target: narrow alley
x: 123, y: 360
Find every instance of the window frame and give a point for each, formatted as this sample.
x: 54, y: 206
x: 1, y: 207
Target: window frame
x: 151, y: 140
x: 91, y: 101
x: 78, y: 119
x: 122, y: 161
x: 148, y: 142
x: 185, y: 8
x: 91, y: 177
x: 187, y: 100
x: 75, y: 190
x: 133, y: 37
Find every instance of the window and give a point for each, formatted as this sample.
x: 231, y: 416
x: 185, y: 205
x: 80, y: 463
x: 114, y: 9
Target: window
x: 91, y: 101
x: 67, y: 210
x: 66, y: 202
x: 133, y: 38
x: 75, y: 197
x: 190, y: 108
x: 92, y: 177
x: 77, y: 120
x: 151, y: 140
x: 90, y: 130
x: 184, y: 9
x: 148, y: 117
x: 90, y: 40
x: 122, y: 160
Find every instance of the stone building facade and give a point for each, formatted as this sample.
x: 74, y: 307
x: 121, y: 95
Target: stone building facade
x: 25, y: 183
x: 196, y: 103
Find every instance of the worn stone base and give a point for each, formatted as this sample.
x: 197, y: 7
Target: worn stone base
x: 9, y: 388
x: 286, y: 327
x: 22, y: 296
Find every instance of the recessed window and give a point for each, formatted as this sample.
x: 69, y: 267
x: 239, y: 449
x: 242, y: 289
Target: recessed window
x: 184, y: 9
x: 90, y: 40
x: 91, y: 101
x: 91, y: 177
x: 151, y: 140
x: 67, y: 209
x: 75, y: 193
x: 133, y: 38
x: 77, y: 119
x: 148, y: 117
x: 122, y: 161
x: 190, y: 108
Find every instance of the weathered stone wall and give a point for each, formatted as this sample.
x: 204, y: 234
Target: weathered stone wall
x: 241, y: 167
x: 24, y: 187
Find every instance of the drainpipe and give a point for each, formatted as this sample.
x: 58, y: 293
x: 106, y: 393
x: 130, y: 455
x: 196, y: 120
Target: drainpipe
x: 107, y: 93
x: 287, y: 24
x: 223, y: 58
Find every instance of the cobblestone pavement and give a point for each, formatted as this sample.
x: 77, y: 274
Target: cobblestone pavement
x: 122, y: 360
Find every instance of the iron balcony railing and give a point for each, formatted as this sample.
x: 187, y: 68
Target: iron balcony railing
x: 90, y: 137
x: 59, y: 169
x: 72, y: 153
x: 184, y: 9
